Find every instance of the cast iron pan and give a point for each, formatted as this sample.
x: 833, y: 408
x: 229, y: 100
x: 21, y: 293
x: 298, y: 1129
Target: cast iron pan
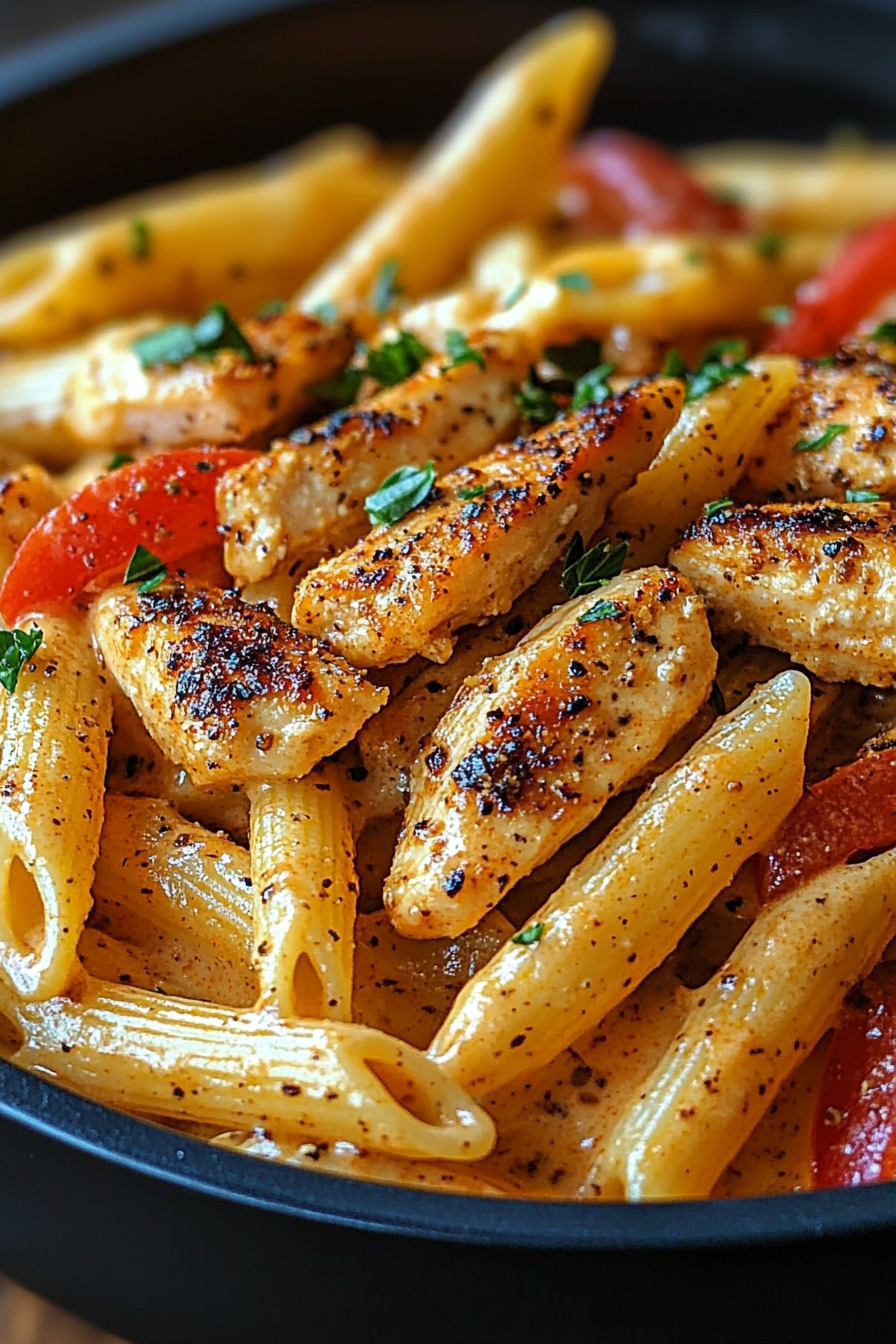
x: 162, y: 1239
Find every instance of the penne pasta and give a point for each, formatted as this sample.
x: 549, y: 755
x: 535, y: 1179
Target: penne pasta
x: 26, y: 494
x: 54, y: 730
x: 760, y: 1016
x: 623, y: 910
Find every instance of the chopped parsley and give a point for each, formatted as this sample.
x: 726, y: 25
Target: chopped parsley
x: 399, y: 493
x: 16, y: 647
x: 826, y: 362
x: 575, y: 359
x: 326, y: 311
x: 216, y: 330
x: 471, y: 492
x: 514, y: 295
x: 862, y: 497
x: 717, y: 368
x: 768, y: 246
x: 779, y: 314
x: 584, y: 571
x: 603, y: 611
x: 119, y: 460
x: 341, y: 390
x: 146, y: 570
x: 386, y: 289
x: 694, y: 256
x: 396, y: 359
x: 674, y: 366
x: 139, y: 239
x: 816, y: 445
x: 526, y: 937
x: 273, y: 308
x: 460, y: 351
x: 717, y: 506
x: 884, y: 331
x: 576, y: 280
x: 535, y: 400
x: 592, y: 388
x: 717, y: 699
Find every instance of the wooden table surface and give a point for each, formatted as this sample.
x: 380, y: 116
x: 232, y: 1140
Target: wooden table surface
x: 24, y: 1319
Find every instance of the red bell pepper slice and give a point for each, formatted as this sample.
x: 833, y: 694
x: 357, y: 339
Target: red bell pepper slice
x: 854, y: 1130
x: 830, y: 307
x: 165, y: 503
x: 853, y: 811
x: 624, y: 180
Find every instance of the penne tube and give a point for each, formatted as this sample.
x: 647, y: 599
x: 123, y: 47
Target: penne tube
x: 176, y: 1059
x: 664, y: 288
x: 701, y: 460
x: 749, y: 1028
x: 54, y: 730
x: 238, y: 238
x: 26, y: 494
x: 623, y: 910
x: 492, y: 163
x: 304, y: 895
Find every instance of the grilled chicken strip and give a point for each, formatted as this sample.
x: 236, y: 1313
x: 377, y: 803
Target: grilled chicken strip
x: 815, y: 580
x: 229, y: 692
x: 305, y: 499
x: 99, y: 396
x: 857, y: 392
x: 535, y: 745
x: 455, y: 560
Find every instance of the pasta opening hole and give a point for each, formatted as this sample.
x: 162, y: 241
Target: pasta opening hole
x: 23, y: 912
x: 400, y: 1084
x: 308, y: 999
x: 22, y: 272
x: 11, y: 1038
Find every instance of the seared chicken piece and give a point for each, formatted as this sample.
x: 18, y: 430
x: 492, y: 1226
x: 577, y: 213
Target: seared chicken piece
x: 815, y: 580
x: 305, y: 499
x: 97, y: 395
x: 229, y: 692
x: 535, y: 745
x: 457, y: 560
x: 858, y: 392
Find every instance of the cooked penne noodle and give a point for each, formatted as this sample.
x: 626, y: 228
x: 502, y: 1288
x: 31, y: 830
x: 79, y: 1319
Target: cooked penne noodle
x: 239, y: 238
x: 493, y: 163
x: 180, y: 1059
x: 701, y: 460
x: 304, y: 895
x: 26, y: 494
x: 624, y: 909
x: 759, y: 1018
x: 54, y: 732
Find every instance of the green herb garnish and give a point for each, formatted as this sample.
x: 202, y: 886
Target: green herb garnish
x: 816, y: 445
x: 341, y: 390
x: 386, y: 289
x: 399, y: 493
x: 460, y: 351
x: 326, y: 311
x: 526, y: 937
x: 694, y: 256
x: 584, y: 571
x: 884, y: 331
x: 471, y: 492
x: 16, y: 647
x: 146, y: 570
x: 592, y: 388
x: 826, y: 362
x: 715, y: 369
x: 674, y: 366
x: 602, y: 611
x: 577, y: 280
x: 862, y: 497
x: 273, y: 308
x: 768, y: 245
x: 119, y: 460
x: 717, y: 506
x: 779, y: 314
x: 216, y: 330
x: 396, y: 359
x: 575, y: 359
x: 139, y: 239
x: 514, y: 295
x: 535, y: 400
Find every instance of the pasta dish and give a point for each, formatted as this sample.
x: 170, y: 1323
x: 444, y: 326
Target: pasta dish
x: 446, y: 684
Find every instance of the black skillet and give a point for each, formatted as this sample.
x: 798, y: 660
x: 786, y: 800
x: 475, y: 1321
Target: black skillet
x: 164, y: 1240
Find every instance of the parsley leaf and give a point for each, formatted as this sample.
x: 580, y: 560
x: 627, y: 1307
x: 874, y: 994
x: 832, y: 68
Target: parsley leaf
x: 139, y: 239
x: 341, y: 390
x: 16, y: 647
x: 576, y: 358
x: 592, y: 388
x: 583, y: 571
x: 862, y: 497
x: 884, y: 331
x: 717, y: 506
x: 816, y: 445
x: 399, y: 493
x: 715, y: 369
x: 826, y: 362
x: 471, y: 492
x: 273, y: 308
x: 526, y: 937
x: 577, y: 280
x: 674, y: 366
x: 460, y: 351
x: 602, y: 611
x: 779, y: 314
x: 216, y: 330
x: 119, y: 460
x: 146, y: 570
x: 514, y: 295
x: 396, y: 359
x: 326, y: 311
x: 768, y: 245
x: 535, y: 400
x: 386, y: 290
